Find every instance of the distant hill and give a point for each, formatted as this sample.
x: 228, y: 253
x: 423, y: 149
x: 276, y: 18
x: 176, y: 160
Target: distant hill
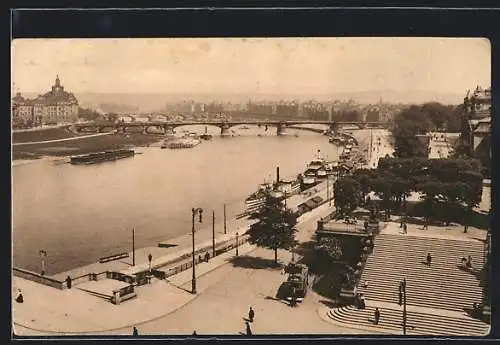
x: 156, y: 101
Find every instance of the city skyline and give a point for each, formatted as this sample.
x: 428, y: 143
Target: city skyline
x: 303, y: 66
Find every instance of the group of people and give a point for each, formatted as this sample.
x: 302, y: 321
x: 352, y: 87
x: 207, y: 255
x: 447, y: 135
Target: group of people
x: 205, y: 259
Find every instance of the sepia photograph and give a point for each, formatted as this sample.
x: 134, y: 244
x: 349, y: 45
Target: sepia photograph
x: 251, y: 186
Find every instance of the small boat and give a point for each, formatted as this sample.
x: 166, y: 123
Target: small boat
x: 206, y: 136
x: 181, y: 143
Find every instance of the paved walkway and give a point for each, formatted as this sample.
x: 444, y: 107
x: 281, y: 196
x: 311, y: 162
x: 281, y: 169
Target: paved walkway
x: 48, y: 311
x: 455, y: 232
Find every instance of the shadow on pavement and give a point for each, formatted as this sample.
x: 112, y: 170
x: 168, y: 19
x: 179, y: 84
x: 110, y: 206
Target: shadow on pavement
x: 330, y: 304
x: 254, y: 262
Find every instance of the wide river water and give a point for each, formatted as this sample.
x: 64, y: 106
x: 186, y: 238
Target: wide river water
x: 80, y: 213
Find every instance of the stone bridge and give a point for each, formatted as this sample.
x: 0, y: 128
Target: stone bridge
x: 169, y: 126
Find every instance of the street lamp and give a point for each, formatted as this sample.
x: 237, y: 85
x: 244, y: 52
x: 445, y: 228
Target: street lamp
x: 237, y: 244
x: 195, y: 211
x: 402, y: 300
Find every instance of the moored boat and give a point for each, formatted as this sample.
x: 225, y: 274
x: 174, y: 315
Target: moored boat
x: 100, y: 157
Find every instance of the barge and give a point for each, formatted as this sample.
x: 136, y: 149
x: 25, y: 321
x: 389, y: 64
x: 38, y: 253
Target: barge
x: 100, y: 157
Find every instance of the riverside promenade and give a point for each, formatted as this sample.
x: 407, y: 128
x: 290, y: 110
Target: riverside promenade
x: 47, y: 310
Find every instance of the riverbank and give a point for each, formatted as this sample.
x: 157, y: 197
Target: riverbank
x: 83, y: 145
x: 74, y: 311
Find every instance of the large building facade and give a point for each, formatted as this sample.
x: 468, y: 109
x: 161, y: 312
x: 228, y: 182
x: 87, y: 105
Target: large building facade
x: 476, y: 127
x: 53, y: 107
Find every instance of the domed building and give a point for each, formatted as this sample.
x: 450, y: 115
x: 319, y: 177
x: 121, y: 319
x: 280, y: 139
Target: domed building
x: 53, y: 107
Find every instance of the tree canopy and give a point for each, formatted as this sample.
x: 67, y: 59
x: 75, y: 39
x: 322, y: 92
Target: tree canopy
x: 275, y: 228
x: 412, y: 124
x: 347, y: 195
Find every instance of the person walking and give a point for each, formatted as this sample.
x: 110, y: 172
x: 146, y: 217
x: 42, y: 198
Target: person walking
x: 405, y: 228
x: 68, y: 282
x: 19, y: 298
x: 426, y: 224
x: 251, y: 314
x: 249, y: 330
x: 429, y: 259
x: 135, y: 332
x: 377, y: 316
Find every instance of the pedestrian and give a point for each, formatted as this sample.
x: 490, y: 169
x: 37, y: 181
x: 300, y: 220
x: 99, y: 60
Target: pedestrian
x: 194, y: 332
x: 426, y: 225
x: 377, y: 316
x: 469, y: 262
x: 465, y: 228
x: 19, y: 298
x: 135, y: 332
x: 207, y: 257
x: 249, y: 330
x: 429, y: 259
x: 200, y: 259
x: 405, y: 228
x: 251, y: 314
x: 68, y: 282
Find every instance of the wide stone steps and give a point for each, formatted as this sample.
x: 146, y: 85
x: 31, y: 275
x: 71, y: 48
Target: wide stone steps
x: 423, y: 289
x: 437, y: 302
x: 391, y: 321
x: 444, y: 285
x: 415, y: 253
x: 416, y: 276
x: 427, y: 240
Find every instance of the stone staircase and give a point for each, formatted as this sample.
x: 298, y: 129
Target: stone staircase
x: 443, y: 285
x: 418, y: 323
x: 438, y: 297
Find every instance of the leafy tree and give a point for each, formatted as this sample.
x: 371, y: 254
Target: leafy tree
x: 275, y: 228
x: 408, y: 126
x: 364, y: 177
x: 332, y: 247
x: 383, y: 188
x: 87, y: 114
x: 347, y: 195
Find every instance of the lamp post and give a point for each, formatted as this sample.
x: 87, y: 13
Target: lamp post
x: 195, y: 211
x: 402, y: 300
x: 237, y: 244
x: 133, y: 247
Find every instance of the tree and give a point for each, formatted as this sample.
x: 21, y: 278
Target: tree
x: 87, y: 114
x: 332, y: 247
x: 409, y: 126
x: 364, y: 177
x: 275, y: 228
x: 347, y: 195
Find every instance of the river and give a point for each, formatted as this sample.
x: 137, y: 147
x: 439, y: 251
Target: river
x: 80, y: 213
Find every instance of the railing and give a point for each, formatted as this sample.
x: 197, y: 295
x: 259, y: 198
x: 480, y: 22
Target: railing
x: 38, y: 278
x: 87, y: 277
x: 222, y: 249
x: 113, y: 257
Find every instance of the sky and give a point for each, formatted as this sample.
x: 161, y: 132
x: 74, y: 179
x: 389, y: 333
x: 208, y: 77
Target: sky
x: 246, y: 66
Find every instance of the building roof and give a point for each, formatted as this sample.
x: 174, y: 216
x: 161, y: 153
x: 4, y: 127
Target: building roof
x: 483, y: 127
x: 56, y: 95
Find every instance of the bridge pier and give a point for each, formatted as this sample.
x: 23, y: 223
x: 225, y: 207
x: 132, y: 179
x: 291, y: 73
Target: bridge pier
x: 224, y: 131
x: 169, y: 130
x: 334, y: 128
x: 281, y: 129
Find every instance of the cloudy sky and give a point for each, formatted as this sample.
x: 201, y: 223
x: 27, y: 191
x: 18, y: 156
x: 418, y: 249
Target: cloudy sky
x: 279, y: 66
